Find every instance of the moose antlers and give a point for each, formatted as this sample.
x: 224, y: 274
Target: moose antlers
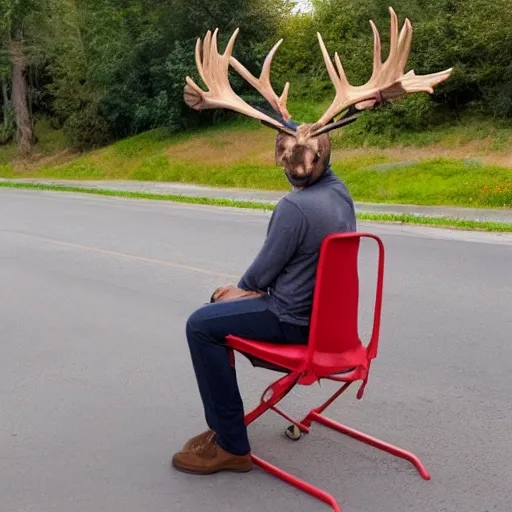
x: 213, y: 69
x: 263, y: 85
x: 387, y: 82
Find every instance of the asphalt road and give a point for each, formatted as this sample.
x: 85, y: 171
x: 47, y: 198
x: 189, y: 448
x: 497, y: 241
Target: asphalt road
x: 97, y: 390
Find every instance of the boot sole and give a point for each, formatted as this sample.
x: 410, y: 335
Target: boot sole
x: 231, y: 469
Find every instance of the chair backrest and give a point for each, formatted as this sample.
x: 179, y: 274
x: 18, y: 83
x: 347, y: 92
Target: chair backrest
x: 334, y: 320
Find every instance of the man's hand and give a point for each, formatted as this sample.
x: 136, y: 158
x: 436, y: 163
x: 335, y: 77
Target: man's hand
x: 232, y: 292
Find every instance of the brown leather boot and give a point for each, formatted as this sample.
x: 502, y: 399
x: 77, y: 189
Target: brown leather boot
x: 205, y: 457
x: 206, y: 436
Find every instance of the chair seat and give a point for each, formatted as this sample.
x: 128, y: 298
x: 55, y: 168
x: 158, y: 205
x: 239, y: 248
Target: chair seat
x: 283, y: 357
x: 328, y: 364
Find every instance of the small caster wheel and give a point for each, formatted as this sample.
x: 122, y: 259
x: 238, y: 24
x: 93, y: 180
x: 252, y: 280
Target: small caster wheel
x: 293, y: 432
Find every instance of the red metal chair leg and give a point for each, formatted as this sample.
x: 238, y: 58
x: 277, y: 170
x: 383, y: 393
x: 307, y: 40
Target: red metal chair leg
x: 272, y: 395
x: 376, y: 443
x: 308, y: 419
x: 297, y: 482
x: 298, y: 424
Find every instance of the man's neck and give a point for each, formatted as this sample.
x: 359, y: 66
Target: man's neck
x: 327, y: 171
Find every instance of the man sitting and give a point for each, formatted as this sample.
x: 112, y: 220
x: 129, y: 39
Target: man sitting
x: 271, y: 303
x: 273, y: 300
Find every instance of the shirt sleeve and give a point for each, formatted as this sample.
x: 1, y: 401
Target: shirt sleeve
x: 284, y: 236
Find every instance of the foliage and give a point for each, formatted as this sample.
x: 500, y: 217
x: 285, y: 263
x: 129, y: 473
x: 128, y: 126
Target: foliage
x: 104, y: 69
x: 472, y: 37
x: 85, y: 129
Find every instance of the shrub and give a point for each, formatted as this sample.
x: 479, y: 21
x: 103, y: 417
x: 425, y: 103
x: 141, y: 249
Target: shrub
x: 86, y: 129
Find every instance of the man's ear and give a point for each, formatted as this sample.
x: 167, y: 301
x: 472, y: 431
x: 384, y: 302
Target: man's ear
x: 324, y: 148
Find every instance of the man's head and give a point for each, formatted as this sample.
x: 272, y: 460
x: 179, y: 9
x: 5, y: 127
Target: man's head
x: 303, y: 158
x: 304, y: 150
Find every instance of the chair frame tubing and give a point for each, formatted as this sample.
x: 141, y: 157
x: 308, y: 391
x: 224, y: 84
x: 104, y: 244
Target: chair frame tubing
x: 279, y: 389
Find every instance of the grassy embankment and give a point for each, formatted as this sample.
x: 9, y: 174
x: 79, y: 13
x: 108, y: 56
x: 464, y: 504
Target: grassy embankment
x: 466, y: 163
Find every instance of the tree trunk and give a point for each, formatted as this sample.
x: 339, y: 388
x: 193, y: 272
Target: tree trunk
x: 5, y: 94
x: 24, y: 129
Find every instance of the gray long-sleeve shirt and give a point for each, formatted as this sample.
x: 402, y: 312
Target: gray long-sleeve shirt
x: 286, y: 265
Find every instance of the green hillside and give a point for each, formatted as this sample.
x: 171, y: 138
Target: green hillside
x: 466, y: 163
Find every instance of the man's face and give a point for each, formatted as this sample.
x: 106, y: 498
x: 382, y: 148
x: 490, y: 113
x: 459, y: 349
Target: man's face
x: 304, y: 159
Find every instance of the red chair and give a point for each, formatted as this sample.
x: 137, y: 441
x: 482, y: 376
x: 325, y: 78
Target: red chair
x: 334, y: 352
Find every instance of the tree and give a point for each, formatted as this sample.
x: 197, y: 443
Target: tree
x: 143, y: 85
x: 103, y: 69
x: 13, y: 17
x: 24, y: 128
x: 7, y: 128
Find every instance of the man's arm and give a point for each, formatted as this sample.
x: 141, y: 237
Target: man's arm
x: 285, y: 233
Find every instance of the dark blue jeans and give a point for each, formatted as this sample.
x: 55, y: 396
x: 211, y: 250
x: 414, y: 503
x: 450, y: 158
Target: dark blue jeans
x: 206, y: 331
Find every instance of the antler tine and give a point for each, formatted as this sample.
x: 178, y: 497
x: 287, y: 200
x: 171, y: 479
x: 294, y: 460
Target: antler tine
x: 213, y: 69
x: 400, y: 47
x: 265, y: 78
x: 377, y: 51
x: 284, y: 97
x: 339, y: 81
x: 199, y: 64
x: 387, y: 81
x: 413, y: 83
x: 265, y: 73
x: 263, y: 85
x: 393, y: 36
x: 404, y: 43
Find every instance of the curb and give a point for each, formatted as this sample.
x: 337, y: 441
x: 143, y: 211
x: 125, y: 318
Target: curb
x: 272, y: 197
